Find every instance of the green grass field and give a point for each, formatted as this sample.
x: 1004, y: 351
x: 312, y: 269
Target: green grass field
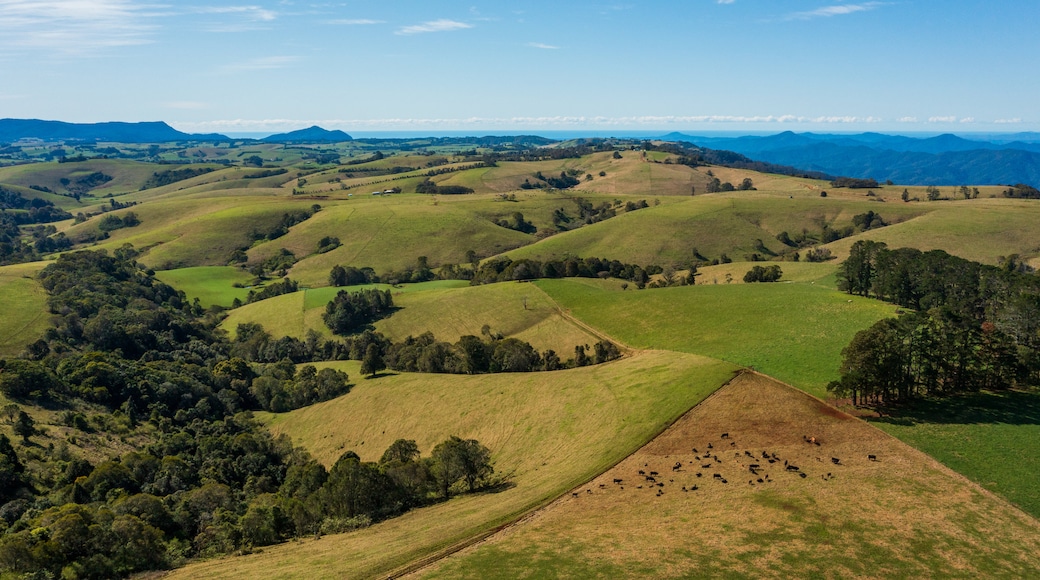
x: 547, y: 432
x: 447, y: 308
x: 25, y: 315
x: 210, y: 284
x: 992, y: 438
x: 791, y: 331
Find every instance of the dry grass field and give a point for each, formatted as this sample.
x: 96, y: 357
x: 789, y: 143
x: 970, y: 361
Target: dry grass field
x: 900, y: 516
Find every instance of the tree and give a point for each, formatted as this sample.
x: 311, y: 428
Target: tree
x: 402, y: 450
x: 457, y: 459
x: 373, y: 361
x: 24, y: 426
x: 746, y: 185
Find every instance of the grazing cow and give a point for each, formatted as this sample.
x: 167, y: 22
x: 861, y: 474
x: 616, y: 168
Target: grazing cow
x: 641, y: 472
x: 694, y: 488
x: 602, y: 485
x: 650, y: 478
x: 639, y: 487
x: 706, y: 466
x: 772, y: 461
x: 588, y: 491
x: 616, y: 480
x: 575, y: 494
x: 754, y: 466
x: 654, y: 473
x: 695, y: 450
x: 872, y: 457
x: 835, y: 461
x: 717, y: 476
x: 698, y: 474
x: 765, y: 455
x: 660, y: 485
x: 725, y: 436
x: 724, y: 480
x: 792, y: 468
x: 760, y: 480
x: 749, y: 454
x: 802, y: 475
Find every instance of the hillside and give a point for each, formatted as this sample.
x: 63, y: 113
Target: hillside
x: 145, y: 132
x: 901, y: 515
x: 313, y: 134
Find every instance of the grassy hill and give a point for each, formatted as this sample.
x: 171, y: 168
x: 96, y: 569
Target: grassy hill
x: 900, y: 516
x: 792, y: 331
x: 547, y: 431
x: 449, y: 309
x: 25, y: 316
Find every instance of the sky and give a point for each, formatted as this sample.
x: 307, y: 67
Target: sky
x: 505, y: 66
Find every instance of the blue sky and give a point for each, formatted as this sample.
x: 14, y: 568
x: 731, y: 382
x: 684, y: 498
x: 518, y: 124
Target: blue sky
x: 722, y: 65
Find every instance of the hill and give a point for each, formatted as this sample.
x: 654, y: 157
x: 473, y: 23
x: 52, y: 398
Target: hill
x: 604, y: 413
x: 899, y: 516
x: 313, y: 134
x: 941, y: 160
x: 144, y: 132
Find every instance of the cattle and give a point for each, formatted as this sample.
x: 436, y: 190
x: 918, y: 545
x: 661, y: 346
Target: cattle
x: 835, y: 461
x: 792, y: 468
x: 725, y: 436
x: 754, y: 466
x: 765, y: 455
x: 872, y: 457
x: 709, y: 446
x: 654, y: 473
x: 724, y: 480
x: 616, y: 480
x: 660, y: 485
x: 641, y: 472
x: 695, y: 450
x: 717, y: 476
x: 694, y: 488
x: 802, y: 475
x: 575, y: 494
x: 760, y: 480
x: 698, y: 474
x: 650, y: 478
x: 706, y: 466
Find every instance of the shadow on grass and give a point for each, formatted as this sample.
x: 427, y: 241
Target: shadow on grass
x: 1018, y: 407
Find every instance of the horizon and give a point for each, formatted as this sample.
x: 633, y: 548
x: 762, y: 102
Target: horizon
x: 710, y: 65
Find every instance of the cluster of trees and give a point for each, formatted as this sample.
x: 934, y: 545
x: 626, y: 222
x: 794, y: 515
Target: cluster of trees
x: 20, y: 210
x: 694, y: 156
x: 854, y: 183
x: 428, y: 186
x: 113, y: 222
x: 505, y: 270
x: 168, y: 176
x: 205, y: 478
x: 350, y: 312
x: 288, y: 220
x: 973, y: 326
x: 763, y: 274
x: 1019, y: 190
x: 286, y: 286
x: 493, y: 354
x: 518, y: 223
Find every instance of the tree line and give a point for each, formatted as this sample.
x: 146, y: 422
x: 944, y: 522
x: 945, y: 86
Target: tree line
x: 971, y: 327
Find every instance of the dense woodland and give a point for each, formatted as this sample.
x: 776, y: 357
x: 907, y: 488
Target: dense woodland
x: 969, y: 326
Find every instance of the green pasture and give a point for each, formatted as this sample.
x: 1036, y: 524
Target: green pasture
x: 25, y: 316
x: 547, y: 432
x: 210, y: 284
x: 993, y: 438
x: 792, y: 331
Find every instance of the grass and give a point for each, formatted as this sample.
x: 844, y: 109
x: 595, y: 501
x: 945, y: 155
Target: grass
x: 992, y: 437
x: 792, y: 331
x: 547, y: 432
x: 210, y: 284
x: 901, y: 516
x: 448, y: 308
x: 25, y: 308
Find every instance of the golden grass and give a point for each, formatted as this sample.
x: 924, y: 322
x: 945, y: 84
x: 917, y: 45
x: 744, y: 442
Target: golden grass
x: 547, y: 432
x: 901, y: 516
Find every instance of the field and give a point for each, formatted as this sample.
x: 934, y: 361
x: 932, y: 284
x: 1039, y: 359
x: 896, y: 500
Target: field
x: 548, y: 432
x: 793, y: 331
x: 25, y: 315
x: 450, y: 309
x: 210, y: 284
x: 903, y: 515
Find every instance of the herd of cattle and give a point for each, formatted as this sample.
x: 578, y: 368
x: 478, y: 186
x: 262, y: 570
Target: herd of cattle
x: 709, y: 462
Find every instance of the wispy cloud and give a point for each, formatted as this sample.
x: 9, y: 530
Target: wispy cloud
x: 542, y: 45
x: 75, y: 27
x: 261, y: 63
x: 725, y: 1
x: 1013, y: 121
x: 834, y: 10
x: 968, y: 120
x: 356, y: 21
x: 244, y: 18
x: 252, y: 12
x: 907, y: 119
x: 943, y: 119
x: 442, y: 25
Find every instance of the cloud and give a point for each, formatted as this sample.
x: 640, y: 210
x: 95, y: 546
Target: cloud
x: 262, y: 63
x: 1008, y: 121
x: 356, y: 21
x: 725, y: 1
x: 968, y: 120
x: 253, y: 12
x: 947, y: 119
x: 442, y: 25
x: 835, y: 10
x: 907, y: 119
x: 542, y: 45
x: 75, y: 27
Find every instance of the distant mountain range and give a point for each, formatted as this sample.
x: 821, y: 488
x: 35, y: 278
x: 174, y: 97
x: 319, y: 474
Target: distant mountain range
x: 146, y: 132
x: 313, y: 134
x: 941, y: 160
